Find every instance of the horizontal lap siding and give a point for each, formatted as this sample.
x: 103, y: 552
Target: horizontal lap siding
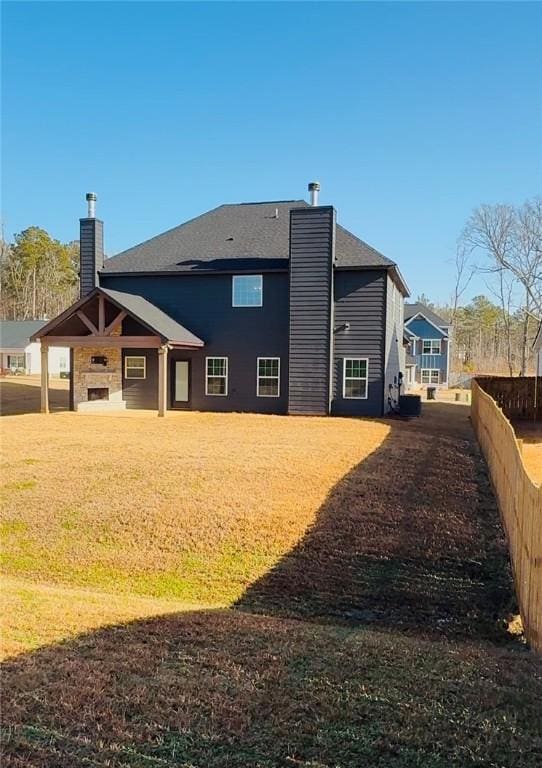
x: 141, y: 393
x: 312, y: 240
x: 203, y: 304
x: 360, y: 298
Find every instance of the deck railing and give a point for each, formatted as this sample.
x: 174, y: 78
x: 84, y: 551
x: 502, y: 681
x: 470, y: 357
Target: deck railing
x: 520, y: 503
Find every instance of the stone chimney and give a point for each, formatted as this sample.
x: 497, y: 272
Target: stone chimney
x: 91, y: 247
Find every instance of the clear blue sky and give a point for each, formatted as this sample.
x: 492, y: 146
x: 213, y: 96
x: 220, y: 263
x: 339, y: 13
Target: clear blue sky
x: 409, y: 114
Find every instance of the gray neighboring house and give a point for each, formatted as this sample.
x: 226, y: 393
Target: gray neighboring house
x: 266, y: 307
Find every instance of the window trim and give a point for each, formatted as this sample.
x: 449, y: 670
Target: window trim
x: 135, y: 357
x: 246, y: 306
x: 258, y: 377
x: 366, y: 379
x: 431, y: 342
x: 20, y: 356
x: 225, y: 376
x: 430, y: 371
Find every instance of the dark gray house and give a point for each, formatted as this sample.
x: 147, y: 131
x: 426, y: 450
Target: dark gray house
x: 266, y: 307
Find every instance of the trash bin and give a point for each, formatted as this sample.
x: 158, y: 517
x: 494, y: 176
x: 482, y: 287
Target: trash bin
x: 410, y: 405
x: 431, y: 393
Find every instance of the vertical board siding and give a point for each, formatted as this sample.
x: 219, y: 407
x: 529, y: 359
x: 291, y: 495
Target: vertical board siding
x: 91, y: 253
x: 520, y: 503
x: 359, y: 301
x: 312, y: 243
x: 141, y: 393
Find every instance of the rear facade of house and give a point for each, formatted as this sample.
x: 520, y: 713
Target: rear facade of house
x: 429, y: 345
x: 262, y: 307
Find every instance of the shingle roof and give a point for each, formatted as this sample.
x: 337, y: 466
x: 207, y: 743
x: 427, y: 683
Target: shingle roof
x: 15, y: 334
x: 142, y: 310
x: 413, y: 309
x: 243, y: 236
x: 153, y: 317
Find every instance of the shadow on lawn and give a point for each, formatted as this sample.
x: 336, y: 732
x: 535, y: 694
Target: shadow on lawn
x: 408, y: 543
x: 20, y: 397
x: 409, y: 540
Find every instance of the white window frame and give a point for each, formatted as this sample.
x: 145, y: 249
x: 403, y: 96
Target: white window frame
x: 366, y: 379
x: 224, y: 376
x: 246, y: 306
x: 258, y: 377
x: 430, y: 371
x: 20, y: 356
x: 431, y: 343
x: 126, y: 366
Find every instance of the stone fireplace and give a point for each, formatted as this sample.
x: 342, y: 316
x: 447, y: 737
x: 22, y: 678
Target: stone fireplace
x: 97, y: 379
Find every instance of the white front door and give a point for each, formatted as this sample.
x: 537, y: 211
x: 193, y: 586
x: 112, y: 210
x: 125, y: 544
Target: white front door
x: 181, y: 381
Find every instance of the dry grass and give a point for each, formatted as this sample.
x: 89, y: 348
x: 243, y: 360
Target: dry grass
x: 195, y: 507
x: 531, y: 434
x: 370, y: 575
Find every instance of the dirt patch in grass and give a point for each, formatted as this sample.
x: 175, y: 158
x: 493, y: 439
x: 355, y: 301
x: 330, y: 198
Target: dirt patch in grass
x: 220, y: 689
x: 531, y: 434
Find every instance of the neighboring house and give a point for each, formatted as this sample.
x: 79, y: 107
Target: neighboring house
x: 265, y: 307
x: 19, y: 355
x: 537, y: 346
x: 428, y: 349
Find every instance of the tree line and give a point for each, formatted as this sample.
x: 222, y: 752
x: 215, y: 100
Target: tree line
x: 493, y: 333
x: 39, y: 276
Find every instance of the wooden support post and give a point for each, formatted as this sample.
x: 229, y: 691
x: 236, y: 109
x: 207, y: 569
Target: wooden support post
x: 101, y: 315
x: 162, y: 380
x: 44, y: 378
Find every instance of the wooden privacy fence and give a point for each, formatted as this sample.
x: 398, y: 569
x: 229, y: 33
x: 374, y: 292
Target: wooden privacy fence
x: 520, y: 503
x: 519, y: 397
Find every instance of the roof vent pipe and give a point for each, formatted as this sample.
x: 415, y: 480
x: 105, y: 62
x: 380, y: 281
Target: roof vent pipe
x: 314, y: 189
x: 91, y: 200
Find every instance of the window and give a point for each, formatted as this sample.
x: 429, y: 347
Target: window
x: 135, y: 367
x: 247, y: 291
x: 268, y: 377
x: 356, y: 370
x: 216, y: 375
x: 430, y: 376
x: 16, y: 362
x: 431, y: 347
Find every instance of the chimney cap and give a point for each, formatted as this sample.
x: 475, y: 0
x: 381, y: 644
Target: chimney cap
x: 90, y: 196
x: 314, y: 186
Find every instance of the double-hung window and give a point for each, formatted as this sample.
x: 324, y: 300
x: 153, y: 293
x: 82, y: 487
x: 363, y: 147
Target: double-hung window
x: 216, y: 376
x: 430, y: 376
x: 355, y: 378
x: 268, y: 377
x: 431, y: 347
x: 247, y: 291
x: 16, y: 362
x: 135, y: 367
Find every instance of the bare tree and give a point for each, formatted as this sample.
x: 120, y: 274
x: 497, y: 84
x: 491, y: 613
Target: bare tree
x: 510, y: 242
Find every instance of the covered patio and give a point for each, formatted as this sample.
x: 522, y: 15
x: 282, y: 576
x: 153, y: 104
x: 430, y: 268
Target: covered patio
x: 97, y: 329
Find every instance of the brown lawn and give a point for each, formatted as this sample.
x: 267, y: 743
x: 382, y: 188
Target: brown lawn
x: 531, y: 434
x: 367, y: 566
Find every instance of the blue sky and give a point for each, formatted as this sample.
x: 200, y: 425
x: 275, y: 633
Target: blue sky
x: 409, y: 114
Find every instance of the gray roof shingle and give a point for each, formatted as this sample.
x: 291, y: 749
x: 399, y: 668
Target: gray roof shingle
x: 413, y: 309
x: 244, y: 236
x: 153, y: 317
x: 15, y: 334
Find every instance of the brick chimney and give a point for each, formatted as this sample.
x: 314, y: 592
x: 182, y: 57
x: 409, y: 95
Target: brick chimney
x: 91, y: 247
